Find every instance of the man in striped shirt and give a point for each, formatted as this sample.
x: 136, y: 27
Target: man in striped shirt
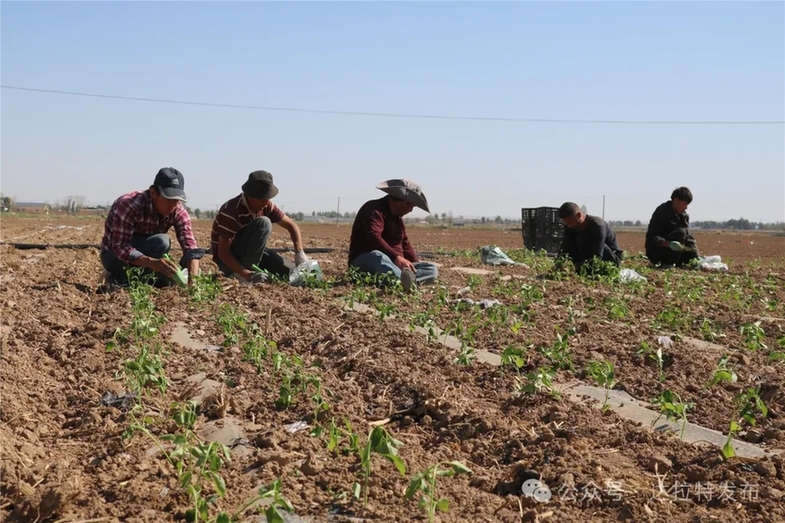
x: 135, y: 231
x: 241, y: 230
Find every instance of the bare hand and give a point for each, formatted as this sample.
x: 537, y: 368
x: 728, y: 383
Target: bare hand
x: 403, y: 263
x: 164, y: 266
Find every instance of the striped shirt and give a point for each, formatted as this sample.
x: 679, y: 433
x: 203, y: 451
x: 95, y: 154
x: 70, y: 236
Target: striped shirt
x: 132, y: 214
x: 234, y: 215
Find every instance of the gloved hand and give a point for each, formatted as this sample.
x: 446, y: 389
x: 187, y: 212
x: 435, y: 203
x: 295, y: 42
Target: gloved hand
x: 676, y: 246
x: 300, y: 258
x: 256, y: 277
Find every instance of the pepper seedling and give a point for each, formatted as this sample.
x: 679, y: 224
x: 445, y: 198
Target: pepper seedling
x: 179, y: 275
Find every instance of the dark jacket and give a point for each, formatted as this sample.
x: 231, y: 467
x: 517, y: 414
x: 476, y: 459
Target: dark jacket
x: 376, y: 229
x: 663, y: 222
x: 596, y: 239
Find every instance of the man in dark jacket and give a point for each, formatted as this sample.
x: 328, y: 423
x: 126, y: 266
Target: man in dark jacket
x: 586, y: 238
x: 379, y: 243
x: 668, y: 240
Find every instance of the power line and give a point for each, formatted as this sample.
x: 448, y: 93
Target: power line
x: 401, y: 115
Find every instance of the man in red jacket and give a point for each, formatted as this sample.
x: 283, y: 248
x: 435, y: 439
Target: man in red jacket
x: 379, y: 244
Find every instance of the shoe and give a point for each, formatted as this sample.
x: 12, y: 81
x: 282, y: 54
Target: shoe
x: 408, y: 280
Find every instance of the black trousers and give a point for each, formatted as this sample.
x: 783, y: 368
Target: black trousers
x: 665, y: 256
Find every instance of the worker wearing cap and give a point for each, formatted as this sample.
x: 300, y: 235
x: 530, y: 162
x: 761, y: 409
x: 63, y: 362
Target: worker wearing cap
x: 135, y: 231
x: 241, y: 230
x: 379, y: 243
x: 668, y: 238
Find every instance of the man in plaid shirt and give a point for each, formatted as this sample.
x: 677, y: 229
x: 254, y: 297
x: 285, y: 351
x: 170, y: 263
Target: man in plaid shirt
x: 135, y: 232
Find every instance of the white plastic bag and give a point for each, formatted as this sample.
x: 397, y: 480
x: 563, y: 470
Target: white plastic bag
x: 307, y: 269
x: 629, y: 275
x: 712, y: 263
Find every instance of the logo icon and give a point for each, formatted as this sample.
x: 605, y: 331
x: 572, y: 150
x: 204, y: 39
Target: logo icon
x: 533, y: 488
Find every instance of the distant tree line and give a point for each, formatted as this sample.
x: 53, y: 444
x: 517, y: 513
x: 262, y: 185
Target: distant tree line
x: 740, y: 224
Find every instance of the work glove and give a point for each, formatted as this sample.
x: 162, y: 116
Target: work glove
x: 256, y: 277
x: 676, y: 246
x: 300, y: 258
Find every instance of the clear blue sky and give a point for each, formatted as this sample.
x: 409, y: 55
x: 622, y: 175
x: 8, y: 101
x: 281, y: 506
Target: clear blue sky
x: 584, y: 60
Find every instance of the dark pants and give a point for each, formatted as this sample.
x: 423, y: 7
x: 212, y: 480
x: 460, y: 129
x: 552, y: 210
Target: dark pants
x: 154, y: 246
x: 250, y: 248
x: 665, y: 256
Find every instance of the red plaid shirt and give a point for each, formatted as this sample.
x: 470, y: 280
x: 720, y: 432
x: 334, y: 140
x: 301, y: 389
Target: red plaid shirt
x: 133, y: 213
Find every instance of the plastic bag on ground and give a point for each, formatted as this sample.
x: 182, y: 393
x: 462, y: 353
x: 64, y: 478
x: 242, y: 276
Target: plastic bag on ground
x: 712, y: 263
x: 485, y: 304
x: 492, y: 255
x: 629, y: 276
x: 309, y: 269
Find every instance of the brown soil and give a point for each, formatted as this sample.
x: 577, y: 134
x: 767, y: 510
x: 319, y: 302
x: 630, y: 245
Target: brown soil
x: 64, y: 457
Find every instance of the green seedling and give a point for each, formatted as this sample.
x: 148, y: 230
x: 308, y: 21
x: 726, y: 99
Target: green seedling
x: 278, y: 502
x: 204, y: 289
x: 425, y: 483
x: 466, y: 356
x: 559, y: 353
x: 603, y: 374
x: 146, y: 371
x: 722, y: 373
x: 179, y: 275
x: 515, y: 357
x: 745, y: 405
x: 672, y: 407
x: 380, y: 442
x: 541, y: 379
x: 708, y: 332
x: 753, y: 336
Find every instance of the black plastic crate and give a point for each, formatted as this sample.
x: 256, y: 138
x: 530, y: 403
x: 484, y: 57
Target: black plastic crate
x: 542, y: 229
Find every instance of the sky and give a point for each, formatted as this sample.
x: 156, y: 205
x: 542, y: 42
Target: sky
x: 672, y: 61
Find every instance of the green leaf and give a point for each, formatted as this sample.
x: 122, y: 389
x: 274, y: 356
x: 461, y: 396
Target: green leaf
x: 399, y: 464
x: 443, y: 505
x: 414, y: 486
x: 727, y: 450
x: 220, y: 484
x: 357, y: 490
x: 185, y: 479
x: 223, y: 517
x: 273, y: 516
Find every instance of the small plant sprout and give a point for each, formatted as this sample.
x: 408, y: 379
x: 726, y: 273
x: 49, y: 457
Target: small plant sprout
x: 722, y: 373
x: 745, y: 405
x: 380, y: 442
x: 425, y: 483
x: 603, y: 374
x: 541, y: 379
x: 672, y: 407
x: 753, y: 336
x: 273, y: 491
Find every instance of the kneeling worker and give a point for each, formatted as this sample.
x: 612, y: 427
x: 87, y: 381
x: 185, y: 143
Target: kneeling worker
x: 587, y: 237
x: 668, y: 238
x: 241, y: 230
x: 135, y: 231
x: 379, y: 243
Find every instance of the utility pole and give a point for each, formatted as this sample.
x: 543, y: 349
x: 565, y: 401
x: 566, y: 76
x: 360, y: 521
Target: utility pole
x: 337, y: 218
x: 603, y: 206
